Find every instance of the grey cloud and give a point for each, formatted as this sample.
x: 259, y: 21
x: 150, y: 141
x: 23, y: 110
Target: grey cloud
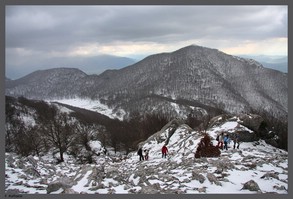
x: 64, y: 25
x: 46, y: 29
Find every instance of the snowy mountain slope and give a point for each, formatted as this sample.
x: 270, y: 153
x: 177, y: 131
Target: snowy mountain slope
x: 196, y: 74
x: 254, y: 168
x: 93, y: 105
x: 204, y: 75
x: 46, y: 84
x: 177, y: 108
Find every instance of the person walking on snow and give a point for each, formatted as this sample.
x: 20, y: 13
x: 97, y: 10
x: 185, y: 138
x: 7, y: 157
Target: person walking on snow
x: 139, y: 152
x: 226, y: 141
x: 164, y: 151
x: 236, y: 140
x: 220, y: 140
x: 146, y: 154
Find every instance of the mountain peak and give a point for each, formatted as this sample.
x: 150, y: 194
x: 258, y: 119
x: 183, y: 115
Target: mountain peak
x: 48, y: 84
x: 53, y: 71
x: 195, y: 47
x: 195, y: 74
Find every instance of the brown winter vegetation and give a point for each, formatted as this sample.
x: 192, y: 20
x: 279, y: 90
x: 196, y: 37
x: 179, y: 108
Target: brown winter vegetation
x: 206, y: 149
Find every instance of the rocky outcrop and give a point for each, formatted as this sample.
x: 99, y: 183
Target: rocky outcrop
x: 246, y: 136
x: 251, y: 121
x: 248, y: 125
x: 62, y: 183
x: 179, y: 173
x: 251, y: 186
x: 165, y: 133
x: 218, y: 120
x: 198, y: 176
x: 152, y: 189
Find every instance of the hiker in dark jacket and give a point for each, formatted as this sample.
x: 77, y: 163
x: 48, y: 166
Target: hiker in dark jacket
x: 139, y: 152
x: 236, y: 140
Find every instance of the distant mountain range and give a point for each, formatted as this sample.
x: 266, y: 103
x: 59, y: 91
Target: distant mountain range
x: 189, y: 79
x: 279, y: 63
x: 90, y: 64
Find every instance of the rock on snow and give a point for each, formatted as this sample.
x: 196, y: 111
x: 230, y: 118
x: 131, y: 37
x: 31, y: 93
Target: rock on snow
x: 254, y: 168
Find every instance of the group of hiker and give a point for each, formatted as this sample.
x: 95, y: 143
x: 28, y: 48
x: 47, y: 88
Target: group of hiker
x: 222, y: 138
x: 144, y: 154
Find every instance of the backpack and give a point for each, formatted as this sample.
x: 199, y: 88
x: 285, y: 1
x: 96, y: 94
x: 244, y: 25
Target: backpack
x: 217, y: 138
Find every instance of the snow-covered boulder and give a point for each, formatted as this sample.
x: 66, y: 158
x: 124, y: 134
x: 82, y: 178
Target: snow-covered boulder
x: 164, y: 134
x: 218, y: 120
x: 251, y: 186
x: 232, y: 125
x: 62, y: 183
x: 153, y: 189
x: 32, y: 172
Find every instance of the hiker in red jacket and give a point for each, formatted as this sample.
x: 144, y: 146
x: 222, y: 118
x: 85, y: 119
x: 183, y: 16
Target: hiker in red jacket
x: 220, y: 139
x: 164, y: 151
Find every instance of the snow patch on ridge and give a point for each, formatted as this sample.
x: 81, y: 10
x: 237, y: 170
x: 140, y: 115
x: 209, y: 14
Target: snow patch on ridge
x: 94, y: 105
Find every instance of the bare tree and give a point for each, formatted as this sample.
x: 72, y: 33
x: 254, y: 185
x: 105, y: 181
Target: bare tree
x: 59, y: 133
x: 36, y: 139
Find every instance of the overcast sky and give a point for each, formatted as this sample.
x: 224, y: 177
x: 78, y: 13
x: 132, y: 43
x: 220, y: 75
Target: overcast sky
x: 38, y: 35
